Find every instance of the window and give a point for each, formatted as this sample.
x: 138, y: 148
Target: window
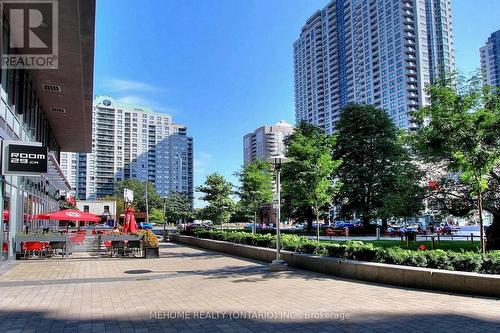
x: 86, y: 209
x: 106, y: 209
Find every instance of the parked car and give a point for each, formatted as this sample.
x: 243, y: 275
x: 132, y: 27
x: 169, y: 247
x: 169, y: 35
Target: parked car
x: 145, y: 225
x: 343, y: 224
x: 298, y: 227
x: 250, y: 226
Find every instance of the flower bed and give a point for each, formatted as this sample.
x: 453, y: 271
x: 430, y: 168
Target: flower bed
x: 356, y: 250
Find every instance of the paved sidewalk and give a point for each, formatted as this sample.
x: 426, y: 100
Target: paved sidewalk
x: 191, y: 290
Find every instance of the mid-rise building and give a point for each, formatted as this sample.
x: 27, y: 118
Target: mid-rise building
x: 490, y: 60
x: 133, y: 142
x: 69, y: 165
x: 380, y: 52
x: 265, y: 141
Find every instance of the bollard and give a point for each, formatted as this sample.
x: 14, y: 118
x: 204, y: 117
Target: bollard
x: 346, y: 231
x: 439, y: 239
x: 433, y: 242
x: 378, y: 233
x: 472, y: 238
x: 99, y: 246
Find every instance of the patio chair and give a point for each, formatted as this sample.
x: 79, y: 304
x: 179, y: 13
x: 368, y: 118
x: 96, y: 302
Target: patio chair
x: 134, y: 247
x: 108, y: 247
x: 117, y: 248
x: 55, y: 246
x: 35, y: 248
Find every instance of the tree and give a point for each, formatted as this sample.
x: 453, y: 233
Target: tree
x: 406, y: 193
x: 378, y: 177
x: 217, y: 193
x: 241, y: 214
x: 461, y: 128
x: 178, y: 206
x: 256, y: 187
x: 139, y: 188
x: 156, y: 216
x: 307, y: 181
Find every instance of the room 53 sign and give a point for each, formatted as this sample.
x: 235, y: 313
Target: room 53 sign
x: 24, y: 159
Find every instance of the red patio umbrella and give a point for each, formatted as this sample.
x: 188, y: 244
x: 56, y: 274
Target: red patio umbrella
x: 70, y: 215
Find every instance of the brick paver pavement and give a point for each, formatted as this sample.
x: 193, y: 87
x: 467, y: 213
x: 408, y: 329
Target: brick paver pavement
x: 191, y: 290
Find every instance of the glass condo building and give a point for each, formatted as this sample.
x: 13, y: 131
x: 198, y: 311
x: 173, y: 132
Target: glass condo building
x: 380, y: 52
x: 490, y: 60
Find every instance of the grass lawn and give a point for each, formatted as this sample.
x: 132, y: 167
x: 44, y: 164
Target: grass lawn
x: 443, y: 245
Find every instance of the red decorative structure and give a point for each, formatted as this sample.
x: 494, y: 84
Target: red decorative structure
x: 433, y: 185
x: 130, y: 225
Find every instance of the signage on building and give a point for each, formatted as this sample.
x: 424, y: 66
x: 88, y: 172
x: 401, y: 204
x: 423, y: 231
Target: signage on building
x: 128, y: 195
x: 24, y: 158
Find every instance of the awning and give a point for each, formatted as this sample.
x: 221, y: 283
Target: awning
x: 56, y: 176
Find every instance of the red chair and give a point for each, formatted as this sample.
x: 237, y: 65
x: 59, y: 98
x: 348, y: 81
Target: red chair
x: 108, y: 247
x: 34, y: 247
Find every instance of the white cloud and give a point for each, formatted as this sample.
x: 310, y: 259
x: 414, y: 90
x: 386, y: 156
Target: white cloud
x: 143, y: 101
x: 117, y: 85
x: 201, y: 166
x: 201, y: 163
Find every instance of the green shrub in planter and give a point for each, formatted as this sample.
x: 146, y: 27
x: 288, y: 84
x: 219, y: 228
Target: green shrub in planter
x: 438, y: 259
x: 414, y: 258
x: 294, y: 243
x: 392, y: 255
x: 356, y: 250
x: 466, y: 261
x: 336, y: 250
x: 491, y: 263
x: 265, y: 240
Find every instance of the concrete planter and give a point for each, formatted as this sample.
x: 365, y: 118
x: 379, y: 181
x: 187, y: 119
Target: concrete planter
x: 404, y: 276
x: 119, y: 238
x: 151, y: 252
x: 41, y: 238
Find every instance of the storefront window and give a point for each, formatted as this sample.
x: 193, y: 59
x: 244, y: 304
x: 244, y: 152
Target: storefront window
x: 5, y: 222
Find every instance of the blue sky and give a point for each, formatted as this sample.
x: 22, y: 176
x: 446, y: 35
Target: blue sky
x: 224, y: 67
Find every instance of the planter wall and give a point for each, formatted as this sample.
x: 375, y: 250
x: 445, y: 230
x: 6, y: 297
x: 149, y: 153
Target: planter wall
x: 405, y: 276
x: 41, y: 238
x: 151, y: 252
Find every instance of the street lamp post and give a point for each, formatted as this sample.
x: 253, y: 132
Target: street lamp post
x: 277, y: 161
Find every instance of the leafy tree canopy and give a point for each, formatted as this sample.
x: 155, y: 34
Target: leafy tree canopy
x: 217, y: 193
x: 377, y: 176
x: 308, y: 180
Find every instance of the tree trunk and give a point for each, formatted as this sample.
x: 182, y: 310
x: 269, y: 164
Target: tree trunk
x: 481, y: 226
x: 366, y: 221
x: 254, y: 222
x: 493, y: 233
x: 384, y: 224
x: 309, y: 223
x: 317, y: 224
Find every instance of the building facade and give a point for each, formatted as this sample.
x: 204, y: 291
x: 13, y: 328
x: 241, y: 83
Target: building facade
x: 49, y: 107
x: 380, y: 52
x: 68, y: 162
x: 133, y: 142
x: 490, y: 60
x: 102, y: 208
x: 265, y: 141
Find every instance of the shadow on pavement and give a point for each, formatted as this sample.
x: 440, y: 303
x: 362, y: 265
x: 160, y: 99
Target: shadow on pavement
x: 188, y: 322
